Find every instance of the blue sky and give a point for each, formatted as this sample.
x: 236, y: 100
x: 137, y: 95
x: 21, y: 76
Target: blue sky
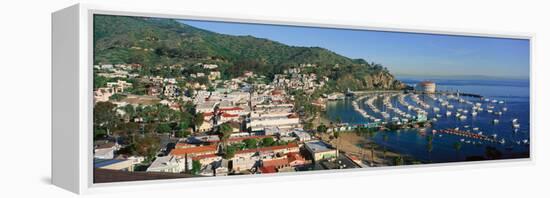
x: 402, y: 53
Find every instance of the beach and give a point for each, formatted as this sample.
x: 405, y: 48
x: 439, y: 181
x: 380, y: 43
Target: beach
x: 359, y: 145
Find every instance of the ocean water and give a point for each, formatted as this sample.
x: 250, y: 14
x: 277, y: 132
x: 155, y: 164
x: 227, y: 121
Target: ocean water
x: 412, y: 142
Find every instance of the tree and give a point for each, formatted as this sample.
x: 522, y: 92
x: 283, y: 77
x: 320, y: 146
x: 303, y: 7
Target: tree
x: 372, y: 146
x: 358, y: 130
x: 322, y: 128
x: 183, y: 130
x: 211, y: 89
x: 492, y: 153
x: 370, y: 135
x: 117, y: 97
x: 308, y: 126
x: 185, y: 120
x: 150, y: 127
x: 224, y: 132
x: 147, y: 146
x: 457, y: 146
x: 198, y: 120
x: 251, y: 143
x: 105, y: 116
x: 132, y: 129
x: 229, y: 152
x: 100, y: 81
x: 268, y: 141
x: 196, y: 167
x: 429, y: 147
x: 336, y: 134
x: 130, y: 111
x: 385, y: 138
x: 164, y: 128
x: 398, y: 160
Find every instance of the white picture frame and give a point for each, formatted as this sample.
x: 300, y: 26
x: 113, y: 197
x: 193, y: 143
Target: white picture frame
x: 72, y: 60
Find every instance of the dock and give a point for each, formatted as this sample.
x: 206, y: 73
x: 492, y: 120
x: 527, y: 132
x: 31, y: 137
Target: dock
x: 467, y: 134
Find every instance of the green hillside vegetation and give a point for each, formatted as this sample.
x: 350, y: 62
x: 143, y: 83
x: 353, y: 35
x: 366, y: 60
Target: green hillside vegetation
x: 154, y: 43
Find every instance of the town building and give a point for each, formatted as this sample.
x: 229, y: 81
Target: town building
x: 168, y: 164
x: 115, y: 164
x: 426, y: 87
x: 302, y: 135
x: 260, y: 123
x: 194, y: 151
x: 105, y: 150
x: 320, y: 150
x: 119, y: 86
x: 171, y: 91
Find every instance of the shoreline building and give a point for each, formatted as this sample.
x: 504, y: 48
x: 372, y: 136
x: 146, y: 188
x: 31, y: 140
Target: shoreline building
x: 320, y: 150
x: 426, y: 86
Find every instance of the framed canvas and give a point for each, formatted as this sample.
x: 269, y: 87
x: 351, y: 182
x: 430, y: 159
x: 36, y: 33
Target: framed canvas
x: 142, y: 97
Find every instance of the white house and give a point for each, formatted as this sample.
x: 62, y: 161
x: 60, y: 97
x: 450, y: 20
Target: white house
x: 169, y: 164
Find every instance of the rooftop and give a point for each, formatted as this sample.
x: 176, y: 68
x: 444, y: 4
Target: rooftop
x: 270, y: 148
x: 98, y: 163
x: 160, y: 162
x: 275, y: 162
x: 318, y: 146
x: 193, y: 150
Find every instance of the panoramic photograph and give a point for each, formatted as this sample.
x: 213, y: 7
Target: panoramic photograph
x: 177, y: 98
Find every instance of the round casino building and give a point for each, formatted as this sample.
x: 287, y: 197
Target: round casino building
x: 426, y: 87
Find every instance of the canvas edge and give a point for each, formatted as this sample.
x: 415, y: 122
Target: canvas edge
x: 65, y: 164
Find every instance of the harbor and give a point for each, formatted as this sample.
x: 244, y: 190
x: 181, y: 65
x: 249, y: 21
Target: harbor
x: 407, y: 118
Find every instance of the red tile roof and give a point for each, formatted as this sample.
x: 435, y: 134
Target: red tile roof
x: 194, y: 150
x: 292, y: 116
x: 228, y: 115
x: 231, y: 109
x: 276, y: 92
x: 294, y: 157
x: 238, y: 139
x: 205, y: 156
x: 281, y: 162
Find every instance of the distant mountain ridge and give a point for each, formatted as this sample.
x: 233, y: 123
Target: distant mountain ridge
x: 153, y: 42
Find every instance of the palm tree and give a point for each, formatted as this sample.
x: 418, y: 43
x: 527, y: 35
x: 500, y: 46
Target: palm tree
x: 358, y: 130
x: 457, y: 146
x: 372, y: 146
x: 336, y: 135
x: 429, y: 147
x: 198, y: 120
x: 385, y: 138
x: 370, y: 134
x: 398, y: 160
x: 492, y: 152
x: 224, y: 132
x: 322, y: 128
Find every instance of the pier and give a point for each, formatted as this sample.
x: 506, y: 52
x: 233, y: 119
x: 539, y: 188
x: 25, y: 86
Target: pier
x: 467, y: 134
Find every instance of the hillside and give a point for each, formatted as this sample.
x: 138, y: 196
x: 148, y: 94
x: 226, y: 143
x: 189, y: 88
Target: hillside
x: 154, y: 42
